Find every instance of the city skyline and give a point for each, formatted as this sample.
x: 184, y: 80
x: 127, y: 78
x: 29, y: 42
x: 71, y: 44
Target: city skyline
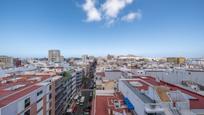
x: 141, y: 27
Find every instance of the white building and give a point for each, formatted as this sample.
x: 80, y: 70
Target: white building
x: 32, y: 100
x: 142, y: 103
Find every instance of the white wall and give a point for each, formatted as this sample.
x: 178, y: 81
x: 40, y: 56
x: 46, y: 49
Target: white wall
x: 39, y: 105
x: 112, y: 75
x: 151, y: 93
x: 137, y: 103
x: 41, y: 112
x: 176, y: 77
x: 9, y: 110
x: 18, y: 106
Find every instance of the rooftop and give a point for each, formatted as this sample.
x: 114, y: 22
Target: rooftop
x: 110, y: 104
x: 138, y: 84
x: 15, y: 87
x: 196, y: 100
x: 137, y: 92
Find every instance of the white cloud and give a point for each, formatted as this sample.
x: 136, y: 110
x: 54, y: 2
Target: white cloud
x: 132, y: 16
x: 108, y: 11
x: 111, y: 8
x: 91, y: 11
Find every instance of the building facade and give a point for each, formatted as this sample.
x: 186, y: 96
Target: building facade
x: 54, y: 56
x: 176, y: 60
x: 38, y: 94
x: 26, y: 99
x: 6, y: 62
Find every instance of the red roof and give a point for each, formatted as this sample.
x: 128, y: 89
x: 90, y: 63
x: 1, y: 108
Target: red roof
x: 100, y: 74
x: 17, y: 95
x: 27, y: 86
x: 103, y: 103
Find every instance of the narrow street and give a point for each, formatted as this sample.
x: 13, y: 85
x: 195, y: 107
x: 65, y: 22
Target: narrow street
x: 79, y: 109
x: 84, y: 108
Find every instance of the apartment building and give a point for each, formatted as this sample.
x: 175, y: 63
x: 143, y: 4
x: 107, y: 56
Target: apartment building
x: 25, y: 95
x: 79, y: 75
x: 176, y: 60
x: 137, y: 99
x: 177, y: 76
x: 38, y: 93
x: 6, y: 62
x: 54, y: 56
x: 152, y: 96
x: 65, y: 89
x: 85, y: 58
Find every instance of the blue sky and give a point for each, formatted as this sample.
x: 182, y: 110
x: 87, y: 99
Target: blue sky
x: 28, y: 28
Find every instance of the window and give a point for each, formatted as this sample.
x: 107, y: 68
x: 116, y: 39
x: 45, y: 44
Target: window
x: 27, y: 102
x: 27, y: 112
x: 50, y: 104
x: 39, y: 100
x: 50, y: 87
x: 40, y: 110
x: 50, y: 111
x: 40, y: 92
x: 50, y: 96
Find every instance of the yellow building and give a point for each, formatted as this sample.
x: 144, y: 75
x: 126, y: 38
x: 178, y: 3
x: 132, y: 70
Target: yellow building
x: 176, y: 60
x: 181, y: 60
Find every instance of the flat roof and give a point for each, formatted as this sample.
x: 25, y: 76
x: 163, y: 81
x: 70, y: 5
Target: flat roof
x: 138, y: 84
x: 195, y: 103
x: 104, y: 104
x: 139, y: 94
